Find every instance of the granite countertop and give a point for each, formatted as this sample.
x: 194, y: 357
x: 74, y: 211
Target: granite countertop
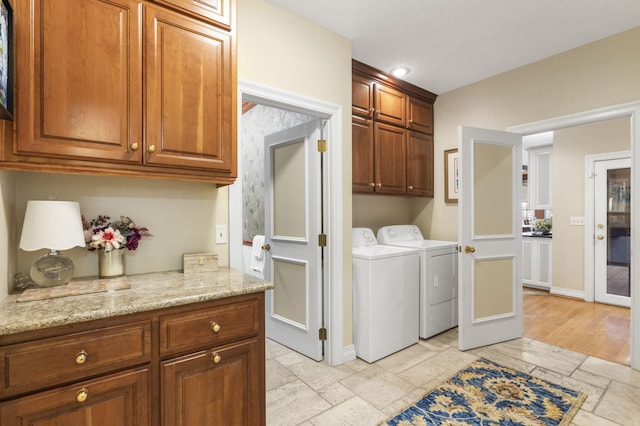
x: 148, y: 292
x: 536, y: 235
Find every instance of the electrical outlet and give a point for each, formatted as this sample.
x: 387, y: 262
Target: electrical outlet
x: 221, y: 234
x: 576, y: 220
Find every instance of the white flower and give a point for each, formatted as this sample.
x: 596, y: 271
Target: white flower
x: 108, y: 239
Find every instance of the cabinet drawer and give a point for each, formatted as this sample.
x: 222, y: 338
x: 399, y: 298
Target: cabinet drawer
x: 208, y: 327
x: 63, y: 359
x: 120, y: 399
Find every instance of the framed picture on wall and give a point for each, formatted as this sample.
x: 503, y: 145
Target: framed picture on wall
x: 6, y: 60
x: 451, y: 176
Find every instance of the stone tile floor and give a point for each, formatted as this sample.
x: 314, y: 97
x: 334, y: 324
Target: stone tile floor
x: 305, y: 392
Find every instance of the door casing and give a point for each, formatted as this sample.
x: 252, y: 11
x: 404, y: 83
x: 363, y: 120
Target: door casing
x: 632, y: 111
x: 335, y: 352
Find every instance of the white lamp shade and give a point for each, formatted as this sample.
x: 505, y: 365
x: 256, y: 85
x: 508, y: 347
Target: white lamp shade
x: 53, y: 225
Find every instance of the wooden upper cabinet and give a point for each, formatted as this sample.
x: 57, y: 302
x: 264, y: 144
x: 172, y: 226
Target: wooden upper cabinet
x: 218, y: 12
x: 389, y: 105
x: 390, y: 159
x: 362, y: 158
x: 419, y: 115
x: 419, y: 164
x: 189, y: 91
x: 362, y: 96
x: 79, y: 80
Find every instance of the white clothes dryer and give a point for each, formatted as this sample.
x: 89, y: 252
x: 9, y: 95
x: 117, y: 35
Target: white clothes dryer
x: 438, y: 276
x: 385, y: 296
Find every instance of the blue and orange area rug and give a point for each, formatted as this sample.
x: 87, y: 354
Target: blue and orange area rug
x: 486, y: 394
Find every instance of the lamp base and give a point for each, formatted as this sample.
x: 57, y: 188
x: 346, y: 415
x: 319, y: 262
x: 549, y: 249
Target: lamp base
x: 51, y: 270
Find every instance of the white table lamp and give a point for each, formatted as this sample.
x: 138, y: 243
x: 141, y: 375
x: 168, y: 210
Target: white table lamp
x: 53, y: 225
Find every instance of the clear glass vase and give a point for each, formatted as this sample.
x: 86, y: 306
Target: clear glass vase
x: 111, y: 263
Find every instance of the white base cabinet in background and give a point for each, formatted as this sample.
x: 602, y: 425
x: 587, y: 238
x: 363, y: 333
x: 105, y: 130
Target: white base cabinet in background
x: 536, y: 262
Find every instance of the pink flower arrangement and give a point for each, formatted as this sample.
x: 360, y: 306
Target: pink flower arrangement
x: 101, y: 233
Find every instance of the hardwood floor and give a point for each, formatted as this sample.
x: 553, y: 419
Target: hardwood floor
x: 595, y: 329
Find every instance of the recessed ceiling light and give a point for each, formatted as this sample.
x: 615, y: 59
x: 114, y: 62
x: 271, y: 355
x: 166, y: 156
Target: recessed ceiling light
x: 400, y: 71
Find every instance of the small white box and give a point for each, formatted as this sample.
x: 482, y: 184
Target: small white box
x: 199, y: 262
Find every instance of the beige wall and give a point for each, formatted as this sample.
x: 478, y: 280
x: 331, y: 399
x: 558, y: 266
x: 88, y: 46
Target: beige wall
x: 376, y: 211
x: 595, y: 75
x: 7, y: 231
x: 281, y: 50
x: 570, y: 146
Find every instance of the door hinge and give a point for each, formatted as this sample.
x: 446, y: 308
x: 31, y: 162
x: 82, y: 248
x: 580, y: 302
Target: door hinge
x: 322, y: 333
x: 322, y: 240
x: 322, y: 145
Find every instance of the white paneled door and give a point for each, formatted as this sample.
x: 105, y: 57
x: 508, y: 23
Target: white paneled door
x: 490, y: 234
x: 293, y: 222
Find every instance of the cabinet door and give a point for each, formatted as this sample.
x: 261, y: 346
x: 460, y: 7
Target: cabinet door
x: 419, y: 164
x: 390, y: 159
x: 544, y: 261
x: 528, y: 260
x: 389, y: 105
x: 362, y: 96
x: 362, y: 158
x: 190, y: 102
x: 119, y: 399
x: 541, y: 178
x: 216, y: 387
x: 419, y: 115
x: 219, y: 12
x: 80, y: 79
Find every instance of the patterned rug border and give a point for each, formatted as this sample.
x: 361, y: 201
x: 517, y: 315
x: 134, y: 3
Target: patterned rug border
x: 566, y: 420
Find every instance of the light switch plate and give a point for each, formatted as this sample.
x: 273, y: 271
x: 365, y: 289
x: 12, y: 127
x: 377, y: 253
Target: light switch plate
x: 221, y: 234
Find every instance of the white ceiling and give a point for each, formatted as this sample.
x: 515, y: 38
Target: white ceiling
x: 451, y: 43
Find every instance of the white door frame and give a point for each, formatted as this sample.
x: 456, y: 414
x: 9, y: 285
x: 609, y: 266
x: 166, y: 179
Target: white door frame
x: 334, y: 352
x: 589, y: 218
x: 630, y: 110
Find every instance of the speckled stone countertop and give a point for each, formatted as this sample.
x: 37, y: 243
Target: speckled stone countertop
x: 148, y: 292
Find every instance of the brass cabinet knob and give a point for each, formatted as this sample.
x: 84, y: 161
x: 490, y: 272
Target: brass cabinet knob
x: 379, y: 184
x: 134, y: 146
x: 600, y: 237
x: 151, y: 149
x: 372, y: 184
x: 410, y: 187
x: 81, y: 357
x: 410, y: 122
x: 216, y: 358
x: 469, y: 249
x: 215, y: 327
x: 82, y: 395
x: 372, y: 110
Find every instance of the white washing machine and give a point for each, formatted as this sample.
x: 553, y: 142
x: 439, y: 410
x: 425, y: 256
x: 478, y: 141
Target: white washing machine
x: 385, y: 296
x: 438, y: 276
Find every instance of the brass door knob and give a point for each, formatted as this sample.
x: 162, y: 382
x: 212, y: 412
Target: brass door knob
x: 216, y: 358
x: 134, y: 146
x: 151, y: 149
x: 469, y: 249
x: 600, y: 237
x: 266, y: 247
x: 82, y: 395
x: 81, y: 357
x: 215, y: 327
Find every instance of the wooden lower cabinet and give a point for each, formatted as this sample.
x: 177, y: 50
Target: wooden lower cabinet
x: 117, y: 399
x: 214, y: 387
x: 195, y: 364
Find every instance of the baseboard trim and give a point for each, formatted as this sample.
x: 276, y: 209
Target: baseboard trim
x: 576, y: 294
x: 348, y: 353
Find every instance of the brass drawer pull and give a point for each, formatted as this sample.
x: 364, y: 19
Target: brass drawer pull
x: 81, y: 357
x: 82, y: 395
x: 215, y: 327
x: 216, y: 358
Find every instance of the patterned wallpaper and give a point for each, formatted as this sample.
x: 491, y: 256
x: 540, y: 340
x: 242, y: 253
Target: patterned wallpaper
x: 256, y: 124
